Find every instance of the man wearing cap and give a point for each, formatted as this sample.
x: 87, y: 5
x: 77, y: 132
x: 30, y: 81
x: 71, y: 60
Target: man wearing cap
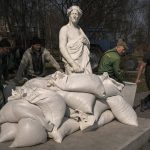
x: 110, y: 61
x: 34, y: 60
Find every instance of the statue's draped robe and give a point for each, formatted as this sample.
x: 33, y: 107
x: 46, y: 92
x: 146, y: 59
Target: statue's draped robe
x: 79, y: 52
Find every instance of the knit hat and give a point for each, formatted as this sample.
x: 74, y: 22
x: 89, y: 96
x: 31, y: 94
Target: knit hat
x: 35, y: 40
x: 122, y: 43
x: 5, y: 43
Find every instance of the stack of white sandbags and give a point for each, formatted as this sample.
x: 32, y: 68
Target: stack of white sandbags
x: 60, y: 104
x: 103, y: 88
x: 36, y: 114
x: 14, y: 127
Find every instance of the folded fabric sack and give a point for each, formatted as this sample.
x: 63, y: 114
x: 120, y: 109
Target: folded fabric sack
x: 30, y: 132
x: 111, y: 86
x: 86, y: 83
x: 68, y: 127
x: 80, y: 101
x: 51, y: 103
x: 8, y: 131
x: 85, y: 120
x: 122, y: 110
x: 21, y: 92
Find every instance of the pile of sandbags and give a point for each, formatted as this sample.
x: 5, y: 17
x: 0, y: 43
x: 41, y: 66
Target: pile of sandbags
x: 58, y: 105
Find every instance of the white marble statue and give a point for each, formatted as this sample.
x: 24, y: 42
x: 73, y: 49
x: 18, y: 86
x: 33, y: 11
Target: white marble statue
x: 74, y: 44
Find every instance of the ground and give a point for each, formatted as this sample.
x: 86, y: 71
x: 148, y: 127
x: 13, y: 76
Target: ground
x: 141, y: 92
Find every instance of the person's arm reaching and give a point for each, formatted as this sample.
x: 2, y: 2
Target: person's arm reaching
x: 52, y: 60
x: 21, y: 69
x: 141, y: 68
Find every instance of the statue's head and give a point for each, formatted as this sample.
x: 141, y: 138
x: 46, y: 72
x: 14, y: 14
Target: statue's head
x: 74, y: 7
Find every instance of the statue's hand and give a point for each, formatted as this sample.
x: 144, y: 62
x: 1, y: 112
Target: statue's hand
x: 61, y: 70
x: 77, y: 68
x: 84, y: 41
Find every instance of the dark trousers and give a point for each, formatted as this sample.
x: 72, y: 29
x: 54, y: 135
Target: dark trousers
x: 147, y: 98
x: 147, y: 78
x: 2, y: 98
x: 8, y: 90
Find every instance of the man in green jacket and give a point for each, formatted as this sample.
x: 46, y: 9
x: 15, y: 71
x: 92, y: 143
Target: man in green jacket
x: 110, y: 61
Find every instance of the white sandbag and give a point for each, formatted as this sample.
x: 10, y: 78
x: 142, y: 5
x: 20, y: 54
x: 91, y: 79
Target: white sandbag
x: 28, y: 93
x: 106, y: 117
x: 129, y: 91
x: 52, y: 105
x: 14, y: 110
x: 122, y: 110
x: 24, y: 92
x: 21, y: 92
x: 8, y: 131
x: 68, y: 127
x: 99, y: 108
x: 86, y: 83
x: 7, y: 114
x: 30, y: 132
x: 81, y: 101
x: 38, y: 82
x: 111, y: 86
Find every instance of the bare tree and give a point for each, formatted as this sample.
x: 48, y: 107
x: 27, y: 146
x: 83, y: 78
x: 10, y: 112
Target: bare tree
x: 45, y: 17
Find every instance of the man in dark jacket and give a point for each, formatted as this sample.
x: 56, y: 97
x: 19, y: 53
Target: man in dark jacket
x: 145, y: 65
x: 34, y: 61
x: 4, y: 49
x: 33, y: 64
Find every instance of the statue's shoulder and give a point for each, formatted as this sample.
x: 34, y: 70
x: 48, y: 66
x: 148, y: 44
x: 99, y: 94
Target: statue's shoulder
x: 64, y: 27
x: 63, y: 31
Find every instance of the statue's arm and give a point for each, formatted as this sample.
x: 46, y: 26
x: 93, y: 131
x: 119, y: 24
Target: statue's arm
x: 63, y: 39
x: 85, y: 40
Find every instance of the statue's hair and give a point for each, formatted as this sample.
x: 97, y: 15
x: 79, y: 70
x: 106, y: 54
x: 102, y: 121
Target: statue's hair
x: 74, y: 7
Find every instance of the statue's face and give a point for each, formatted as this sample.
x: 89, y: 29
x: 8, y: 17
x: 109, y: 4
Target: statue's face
x: 74, y: 16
